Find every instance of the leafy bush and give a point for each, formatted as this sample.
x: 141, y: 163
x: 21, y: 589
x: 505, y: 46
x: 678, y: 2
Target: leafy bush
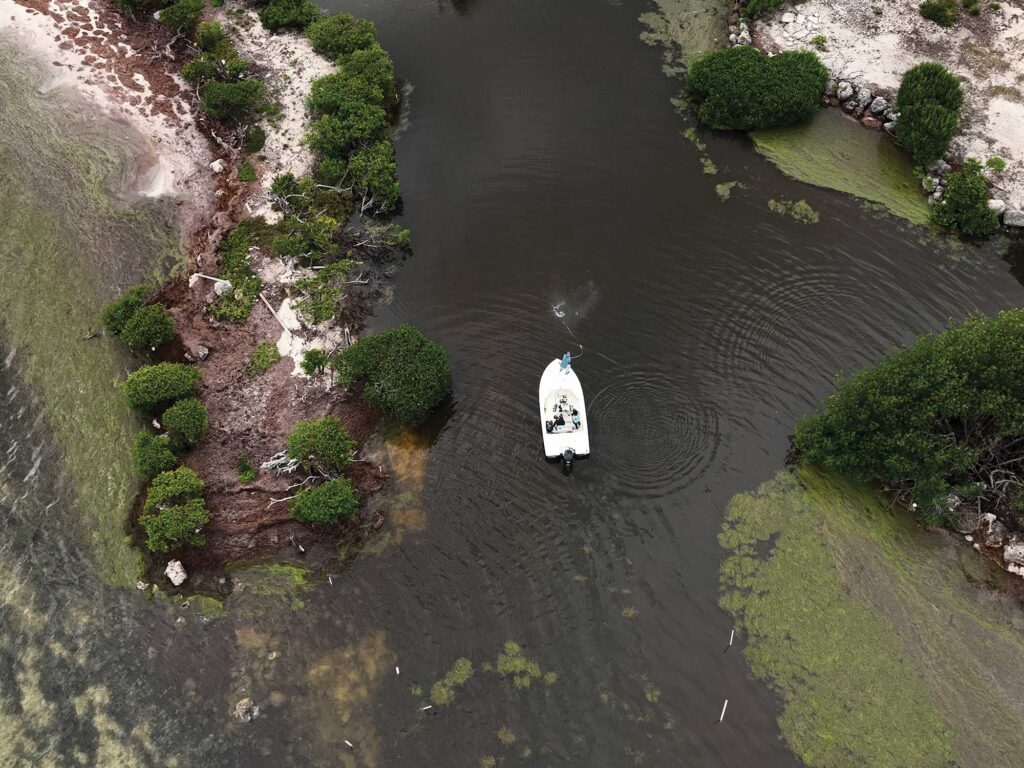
x: 152, y: 455
x: 311, y: 240
x: 153, y: 388
x: 337, y: 134
x: 373, y: 173
x: 322, y: 444
x: 370, y: 74
x: 742, y: 88
x: 233, y: 101
x: 757, y: 8
x: 117, y: 313
x: 246, y: 172
x: 255, y: 138
x: 183, y: 15
x: 925, y: 130
x: 930, y: 82
x: 186, y: 422
x: 322, y: 292
x: 340, y: 35
x: 233, y: 257
x: 176, y: 526
x: 174, y: 487
x: 263, y: 357
x: 209, y: 36
x: 297, y: 14
x: 964, y: 207
x: 314, y: 361
x: 406, y: 374
x: 997, y: 164
x: 932, y: 417
x: 326, y: 503
x: 942, y: 12
x: 246, y: 471
x: 148, y: 328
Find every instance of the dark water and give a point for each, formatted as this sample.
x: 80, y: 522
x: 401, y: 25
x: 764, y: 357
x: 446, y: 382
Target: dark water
x: 542, y: 165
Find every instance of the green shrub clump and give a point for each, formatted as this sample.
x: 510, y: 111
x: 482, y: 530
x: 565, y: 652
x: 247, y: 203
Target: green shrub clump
x: 153, y: 388
x: 233, y: 256
x: 964, y: 207
x: 210, y: 37
x: 171, y: 488
x: 325, y: 503
x: 176, y: 526
x: 246, y: 471
x: 314, y: 361
x: 757, y: 8
x: 340, y: 35
x: 246, y: 171
x: 406, y: 374
x: 928, y: 100
x: 185, y: 422
x: 338, y: 134
x: 233, y: 102
x: 152, y: 455
x: 297, y: 14
x: 117, y: 313
x: 931, y: 418
x: 743, y: 89
x: 942, y: 12
x: 148, y: 328
x: 183, y: 15
x: 321, y: 444
x: 263, y: 357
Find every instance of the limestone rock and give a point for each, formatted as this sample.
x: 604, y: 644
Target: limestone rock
x: 830, y: 87
x: 995, y: 534
x: 844, y: 90
x: 997, y: 205
x: 175, y: 571
x: 889, y: 115
x: 871, y: 122
x: 221, y: 287
x: 940, y: 168
x: 878, y: 105
x: 863, y: 97
x: 246, y: 711
x: 890, y: 127
x: 788, y: 18
x: 849, y: 106
x: 218, y: 166
x: 1014, y: 551
x: 1013, y: 218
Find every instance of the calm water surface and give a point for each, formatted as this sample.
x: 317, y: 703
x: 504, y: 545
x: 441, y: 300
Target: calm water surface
x: 541, y: 166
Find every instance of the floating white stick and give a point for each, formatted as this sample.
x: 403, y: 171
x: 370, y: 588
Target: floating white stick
x: 330, y: 580
x: 350, y: 746
x: 721, y: 717
x: 732, y: 634
x: 396, y: 671
x: 424, y: 709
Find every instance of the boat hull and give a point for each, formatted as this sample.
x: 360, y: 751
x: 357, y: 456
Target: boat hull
x: 560, y: 393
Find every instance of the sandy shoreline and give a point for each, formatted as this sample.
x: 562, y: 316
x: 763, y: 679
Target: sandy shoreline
x: 90, y: 49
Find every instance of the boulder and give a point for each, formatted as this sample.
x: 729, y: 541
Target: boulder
x: 175, y: 571
x: 218, y: 166
x: 858, y: 111
x: 844, y: 90
x: 246, y: 711
x: 221, y: 287
x: 890, y: 127
x: 743, y: 38
x: 788, y: 18
x: 197, y: 353
x: 878, y: 105
x: 800, y: 18
x: 870, y: 122
x: 939, y: 168
x: 889, y: 115
x: 863, y: 97
x: 995, y: 534
x: 849, y: 106
x: 830, y: 87
x: 997, y: 205
x: 1014, y: 552
x: 832, y: 101
x: 1013, y: 218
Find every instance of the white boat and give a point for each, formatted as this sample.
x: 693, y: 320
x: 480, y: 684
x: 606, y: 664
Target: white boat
x: 563, y: 416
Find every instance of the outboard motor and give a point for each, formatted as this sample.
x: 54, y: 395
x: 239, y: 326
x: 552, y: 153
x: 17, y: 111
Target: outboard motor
x: 567, y: 456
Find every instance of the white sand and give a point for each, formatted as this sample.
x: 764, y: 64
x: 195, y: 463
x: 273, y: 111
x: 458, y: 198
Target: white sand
x: 876, y: 49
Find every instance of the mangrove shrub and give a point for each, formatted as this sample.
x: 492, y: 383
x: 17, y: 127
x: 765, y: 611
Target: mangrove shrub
x: 340, y: 35
x: 743, y: 89
x: 297, y: 14
x: 183, y: 15
x: 929, y: 81
x: 154, y: 387
x: 326, y: 503
x: 964, y: 207
x: 942, y: 12
x: 337, y: 134
x: 925, y: 130
x: 149, y: 327
x: 321, y: 444
x: 233, y: 257
x: 314, y: 361
x: 406, y: 374
x: 152, y: 454
x: 185, y: 422
x: 117, y: 313
x: 174, y: 487
x: 262, y: 358
x: 176, y: 526
x: 235, y: 101
x: 931, y: 418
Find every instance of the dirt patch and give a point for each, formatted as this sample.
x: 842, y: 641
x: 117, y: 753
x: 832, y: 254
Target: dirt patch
x: 875, y: 42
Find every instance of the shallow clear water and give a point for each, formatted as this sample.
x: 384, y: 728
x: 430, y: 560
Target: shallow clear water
x: 542, y: 163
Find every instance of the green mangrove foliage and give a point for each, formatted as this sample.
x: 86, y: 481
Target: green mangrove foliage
x: 153, y: 388
x: 183, y: 15
x: 321, y: 445
x: 174, y: 511
x: 321, y: 294
x: 942, y: 12
x: 233, y: 257
x: 928, y: 100
x: 296, y: 14
x: 314, y: 361
x: 340, y: 35
x: 933, y: 419
x: 406, y: 374
x: 964, y: 207
x: 185, y: 422
x: 325, y: 503
x: 174, y: 487
x: 741, y: 88
x: 139, y: 324
x: 152, y: 454
x: 263, y: 357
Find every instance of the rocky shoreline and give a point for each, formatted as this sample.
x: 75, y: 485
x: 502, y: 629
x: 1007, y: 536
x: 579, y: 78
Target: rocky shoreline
x: 872, y: 106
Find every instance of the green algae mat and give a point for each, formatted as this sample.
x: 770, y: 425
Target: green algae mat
x: 834, y: 152
x: 886, y: 642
